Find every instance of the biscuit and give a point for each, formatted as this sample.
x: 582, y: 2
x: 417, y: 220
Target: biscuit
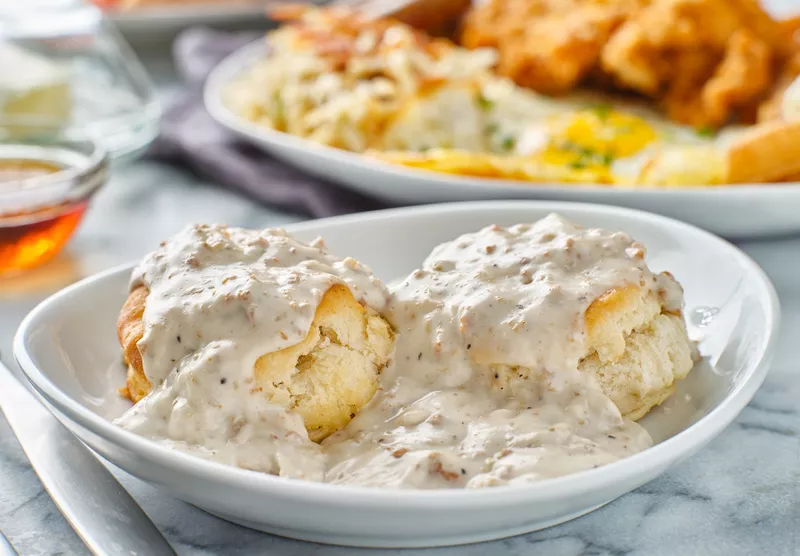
x: 326, y: 378
x: 636, y: 351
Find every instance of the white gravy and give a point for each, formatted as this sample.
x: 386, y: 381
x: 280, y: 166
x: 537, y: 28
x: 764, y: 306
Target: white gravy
x: 219, y: 299
x: 453, y: 409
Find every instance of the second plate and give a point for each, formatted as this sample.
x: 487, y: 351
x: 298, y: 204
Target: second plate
x: 733, y: 211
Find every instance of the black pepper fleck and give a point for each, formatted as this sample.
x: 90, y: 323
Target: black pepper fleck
x: 419, y: 357
x: 612, y: 437
x: 179, y: 338
x: 463, y: 471
x: 223, y: 380
x: 469, y: 346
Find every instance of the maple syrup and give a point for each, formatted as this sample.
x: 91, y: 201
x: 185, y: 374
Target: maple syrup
x: 44, y: 192
x: 30, y: 239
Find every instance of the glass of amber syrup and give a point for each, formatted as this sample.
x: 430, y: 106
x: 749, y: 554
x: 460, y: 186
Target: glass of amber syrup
x: 46, y: 183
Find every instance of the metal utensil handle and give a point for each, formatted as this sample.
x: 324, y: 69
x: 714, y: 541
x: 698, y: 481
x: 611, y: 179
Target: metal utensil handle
x: 6, y: 549
x: 97, y: 507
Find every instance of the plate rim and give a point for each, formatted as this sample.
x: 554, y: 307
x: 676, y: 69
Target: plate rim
x: 194, y: 11
x: 682, y: 444
x: 235, y: 63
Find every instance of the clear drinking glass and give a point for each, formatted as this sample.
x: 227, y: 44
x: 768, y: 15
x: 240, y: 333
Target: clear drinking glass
x: 66, y: 71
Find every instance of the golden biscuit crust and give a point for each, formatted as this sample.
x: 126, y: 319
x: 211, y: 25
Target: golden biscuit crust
x: 130, y: 330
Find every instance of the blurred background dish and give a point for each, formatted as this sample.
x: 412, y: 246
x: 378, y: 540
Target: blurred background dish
x: 140, y: 19
x: 133, y: 18
x: 65, y: 68
x: 569, y: 91
x: 734, y: 211
x: 452, y: 129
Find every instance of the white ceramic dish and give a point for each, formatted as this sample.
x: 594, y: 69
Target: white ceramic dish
x: 171, y: 18
x: 68, y: 350
x: 732, y: 211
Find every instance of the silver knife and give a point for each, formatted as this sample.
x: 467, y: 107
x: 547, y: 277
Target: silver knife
x: 5, y: 546
x: 97, y: 507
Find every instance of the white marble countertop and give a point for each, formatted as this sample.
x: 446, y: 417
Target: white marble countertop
x: 740, y: 495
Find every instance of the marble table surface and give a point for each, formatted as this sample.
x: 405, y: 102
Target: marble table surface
x: 740, y: 495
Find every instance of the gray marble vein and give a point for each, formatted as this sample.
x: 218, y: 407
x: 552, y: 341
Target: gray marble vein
x: 738, y: 496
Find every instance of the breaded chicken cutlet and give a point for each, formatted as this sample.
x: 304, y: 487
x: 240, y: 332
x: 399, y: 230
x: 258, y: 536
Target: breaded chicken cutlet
x: 705, y: 61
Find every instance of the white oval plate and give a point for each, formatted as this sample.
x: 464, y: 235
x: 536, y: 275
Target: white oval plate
x: 732, y: 211
x: 174, y: 17
x: 68, y: 350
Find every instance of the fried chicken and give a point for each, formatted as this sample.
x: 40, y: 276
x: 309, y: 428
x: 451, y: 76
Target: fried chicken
x: 547, y: 45
x: 703, y: 60
x: 770, y: 107
x: 743, y: 74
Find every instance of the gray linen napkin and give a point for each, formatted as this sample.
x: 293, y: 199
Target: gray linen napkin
x: 191, y: 138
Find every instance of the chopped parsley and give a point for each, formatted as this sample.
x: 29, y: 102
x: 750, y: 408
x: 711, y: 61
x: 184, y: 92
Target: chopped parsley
x: 705, y: 131
x: 602, y: 111
x: 484, y: 102
x: 508, y: 143
x: 491, y: 129
x: 586, y: 156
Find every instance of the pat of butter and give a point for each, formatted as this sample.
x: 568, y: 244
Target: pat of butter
x: 33, y: 87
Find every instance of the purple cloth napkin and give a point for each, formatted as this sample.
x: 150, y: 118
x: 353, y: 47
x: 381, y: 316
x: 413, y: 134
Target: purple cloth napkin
x: 191, y: 138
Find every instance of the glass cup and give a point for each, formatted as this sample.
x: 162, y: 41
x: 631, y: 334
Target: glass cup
x: 65, y: 70
x: 46, y: 182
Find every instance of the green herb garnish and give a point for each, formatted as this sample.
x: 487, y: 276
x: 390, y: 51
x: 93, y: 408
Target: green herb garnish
x: 586, y: 156
x: 706, y: 132
x: 491, y: 129
x: 602, y: 111
x: 508, y: 143
x: 484, y: 102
